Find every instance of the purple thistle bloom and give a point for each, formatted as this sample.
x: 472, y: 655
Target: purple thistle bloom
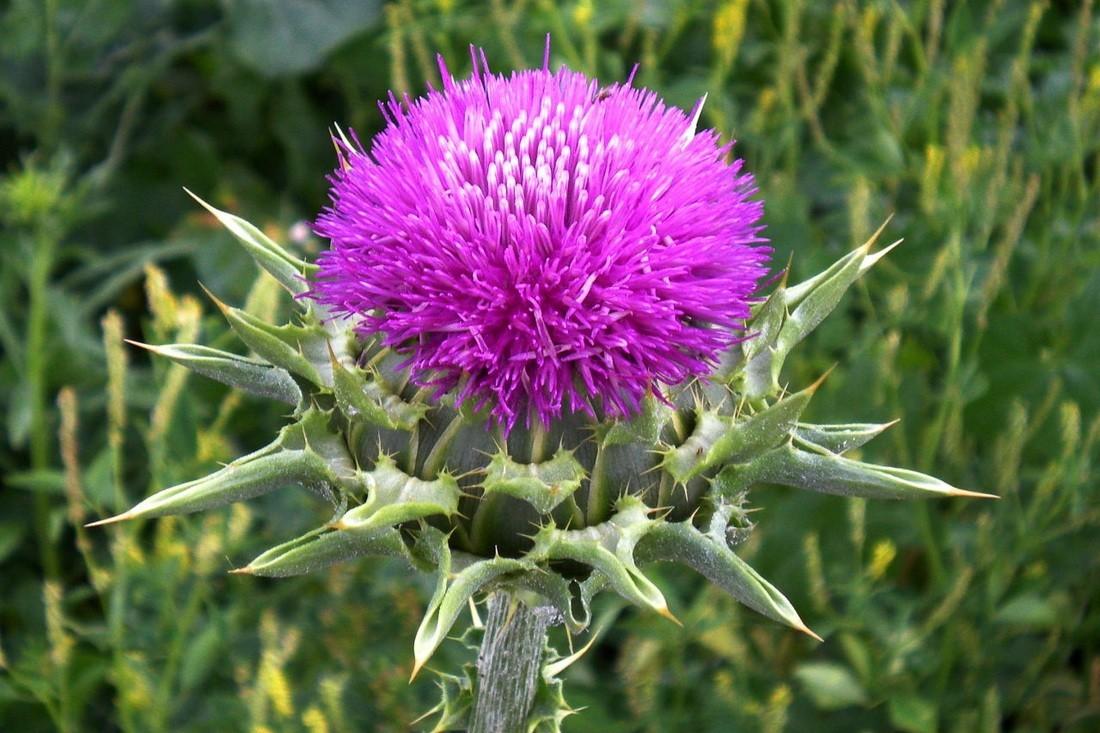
x: 542, y: 244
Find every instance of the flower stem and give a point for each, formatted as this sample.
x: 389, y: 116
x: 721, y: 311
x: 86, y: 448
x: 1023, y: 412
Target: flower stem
x: 38, y: 385
x: 508, y: 664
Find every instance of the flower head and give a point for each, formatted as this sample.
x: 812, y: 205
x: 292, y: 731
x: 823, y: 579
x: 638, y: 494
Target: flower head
x: 541, y: 244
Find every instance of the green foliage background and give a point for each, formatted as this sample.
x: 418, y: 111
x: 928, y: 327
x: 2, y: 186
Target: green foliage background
x: 976, y: 124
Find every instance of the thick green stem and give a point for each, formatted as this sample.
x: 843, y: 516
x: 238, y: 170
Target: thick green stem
x: 508, y: 664
x: 40, y: 436
x: 50, y: 134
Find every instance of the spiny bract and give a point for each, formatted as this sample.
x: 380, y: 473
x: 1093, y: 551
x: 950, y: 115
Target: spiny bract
x: 577, y: 500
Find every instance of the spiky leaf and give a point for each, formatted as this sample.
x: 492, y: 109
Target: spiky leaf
x: 301, y: 350
x: 289, y: 270
x: 808, y: 303
x: 365, y: 397
x: 305, y: 454
x: 255, y: 377
x: 683, y: 543
x: 397, y: 497
x: 645, y: 427
x: 543, y: 485
x: 718, y: 439
x: 608, y: 548
x: 804, y: 466
x: 451, y: 594
x: 558, y: 592
x: 840, y: 438
x: 323, y: 547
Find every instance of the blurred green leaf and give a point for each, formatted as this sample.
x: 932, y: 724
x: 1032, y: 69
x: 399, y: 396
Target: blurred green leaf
x: 18, y: 418
x: 202, y: 655
x: 1032, y: 611
x: 913, y: 714
x: 831, y: 686
x: 281, y: 37
x: 49, y: 481
x: 11, y: 534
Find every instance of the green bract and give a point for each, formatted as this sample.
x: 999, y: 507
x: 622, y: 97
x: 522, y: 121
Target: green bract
x: 563, y: 512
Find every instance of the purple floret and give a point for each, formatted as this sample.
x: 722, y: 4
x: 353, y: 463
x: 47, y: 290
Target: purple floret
x: 541, y: 244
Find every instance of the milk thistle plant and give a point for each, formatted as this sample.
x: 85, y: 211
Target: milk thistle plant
x: 532, y: 361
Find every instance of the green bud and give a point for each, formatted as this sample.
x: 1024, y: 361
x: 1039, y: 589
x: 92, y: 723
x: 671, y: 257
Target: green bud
x: 746, y: 431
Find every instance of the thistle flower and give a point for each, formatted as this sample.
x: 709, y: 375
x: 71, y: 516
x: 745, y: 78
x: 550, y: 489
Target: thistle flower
x: 544, y: 243
x: 535, y: 247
